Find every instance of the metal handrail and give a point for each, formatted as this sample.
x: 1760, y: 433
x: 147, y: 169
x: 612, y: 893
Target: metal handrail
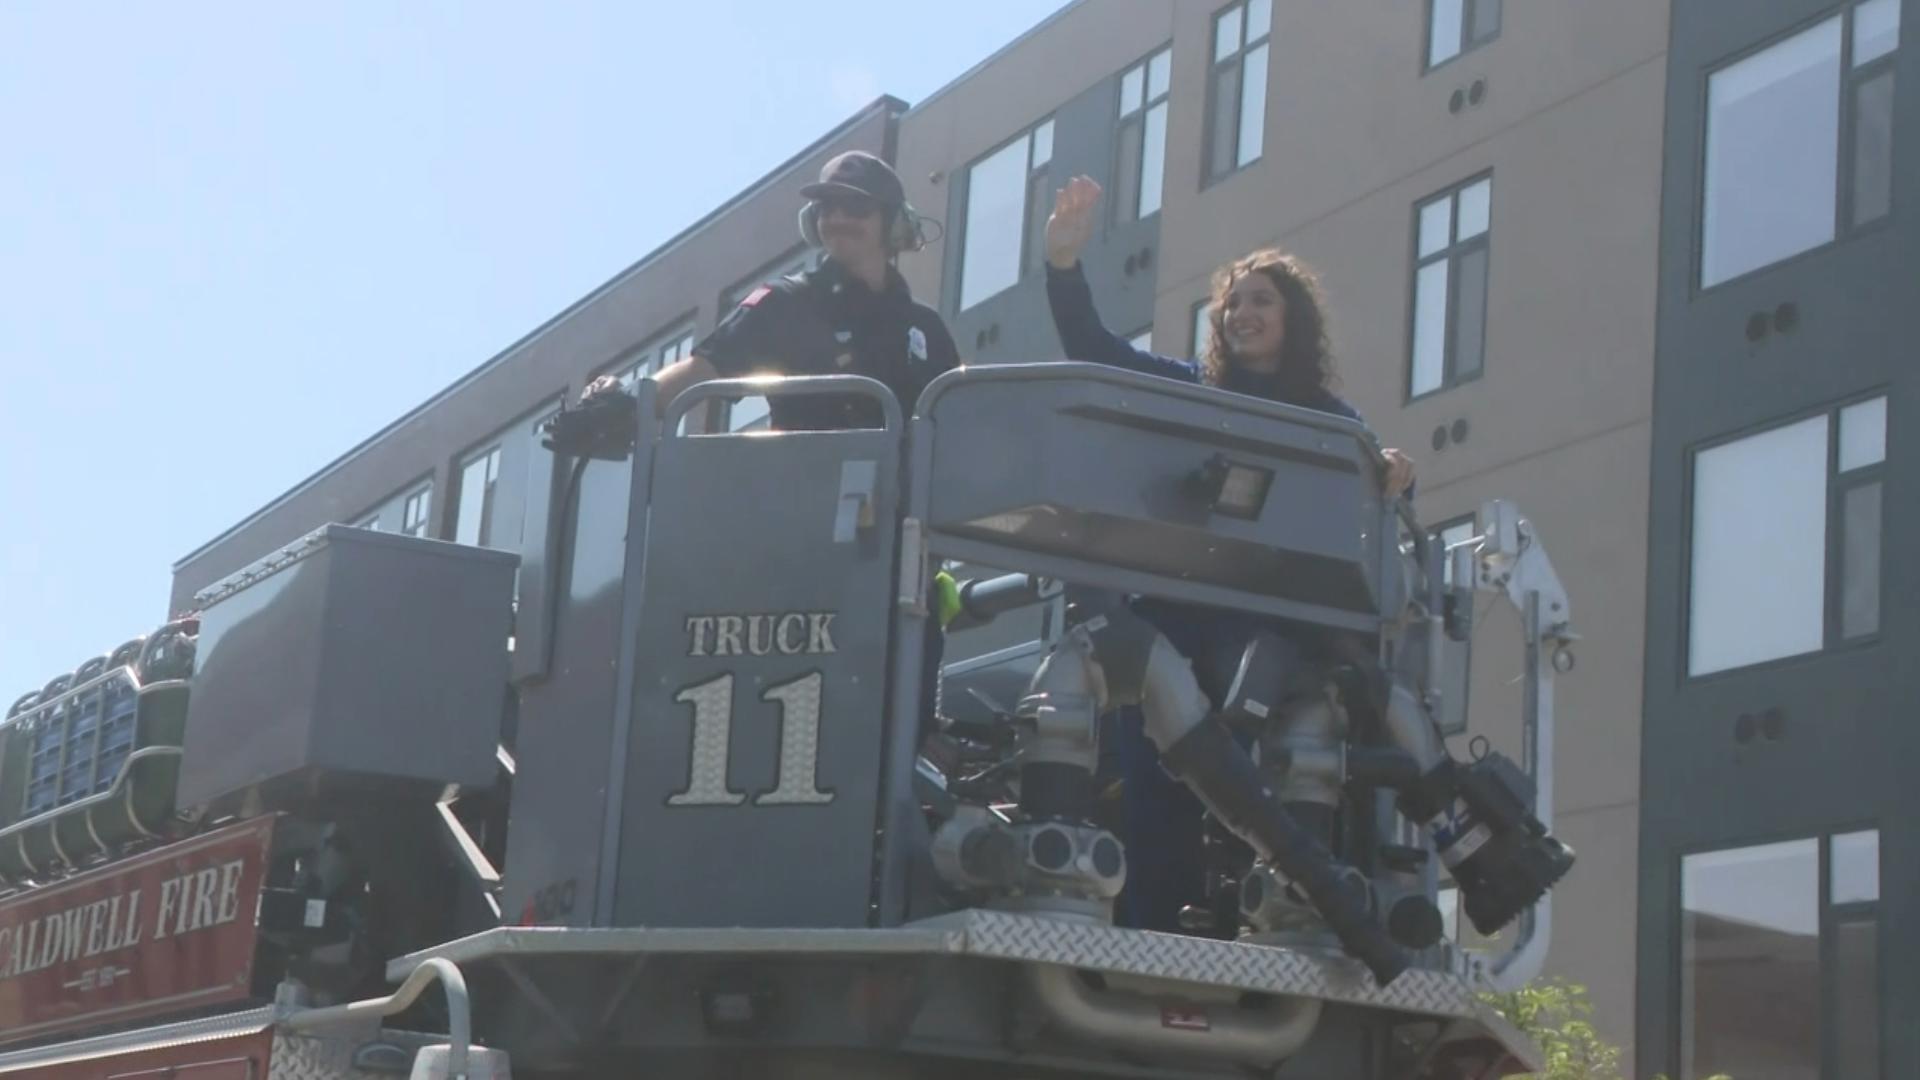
x: 433, y: 969
x: 124, y: 671
x: 786, y: 386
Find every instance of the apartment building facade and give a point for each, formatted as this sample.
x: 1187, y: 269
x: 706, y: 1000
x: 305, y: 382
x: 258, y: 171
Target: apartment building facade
x: 1504, y: 203
x: 1779, y: 864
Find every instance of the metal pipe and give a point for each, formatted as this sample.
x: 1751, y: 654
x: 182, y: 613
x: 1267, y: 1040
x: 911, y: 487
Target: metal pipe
x: 983, y: 600
x: 1523, y: 961
x: 1259, y: 1036
x: 1411, y: 729
x: 433, y: 969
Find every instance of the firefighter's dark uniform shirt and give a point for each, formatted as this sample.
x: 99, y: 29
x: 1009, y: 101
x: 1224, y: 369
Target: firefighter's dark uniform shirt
x: 826, y: 322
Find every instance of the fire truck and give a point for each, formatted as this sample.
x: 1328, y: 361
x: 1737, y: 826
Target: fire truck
x: 669, y: 793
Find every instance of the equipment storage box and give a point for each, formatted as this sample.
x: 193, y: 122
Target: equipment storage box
x: 349, y: 656
x: 1113, y: 479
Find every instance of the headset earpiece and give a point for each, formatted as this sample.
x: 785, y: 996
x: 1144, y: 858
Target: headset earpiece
x: 904, y: 233
x: 810, y: 224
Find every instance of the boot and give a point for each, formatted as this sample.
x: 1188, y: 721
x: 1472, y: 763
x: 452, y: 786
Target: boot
x: 1230, y: 785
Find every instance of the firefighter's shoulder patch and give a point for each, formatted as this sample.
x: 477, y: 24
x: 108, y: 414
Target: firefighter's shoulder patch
x: 756, y: 296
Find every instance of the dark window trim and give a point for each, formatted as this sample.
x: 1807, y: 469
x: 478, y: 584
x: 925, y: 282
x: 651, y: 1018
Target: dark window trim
x: 685, y: 325
x: 397, y: 496
x: 1467, y: 41
x: 1193, y: 323
x: 408, y: 494
x: 489, y: 491
x: 1830, y: 916
x: 1208, y: 178
x: 1449, y: 380
x: 1138, y: 118
x: 1832, y: 645
x: 1033, y: 210
x: 1839, y: 484
x: 1851, y: 79
x: 1843, y: 175
x: 966, y: 211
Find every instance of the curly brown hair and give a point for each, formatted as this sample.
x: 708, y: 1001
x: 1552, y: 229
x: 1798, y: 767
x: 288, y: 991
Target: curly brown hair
x: 1306, y: 352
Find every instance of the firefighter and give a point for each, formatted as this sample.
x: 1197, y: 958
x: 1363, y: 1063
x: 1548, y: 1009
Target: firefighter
x: 1269, y: 340
x: 853, y: 315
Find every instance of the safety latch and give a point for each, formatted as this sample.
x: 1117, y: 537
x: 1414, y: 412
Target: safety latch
x: 855, y: 510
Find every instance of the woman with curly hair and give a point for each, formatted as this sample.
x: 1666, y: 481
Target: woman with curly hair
x: 1269, y: 327
x: 1269, y: 340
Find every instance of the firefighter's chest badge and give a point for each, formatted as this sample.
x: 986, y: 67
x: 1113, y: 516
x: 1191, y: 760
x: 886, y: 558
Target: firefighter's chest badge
x: 844, y: 338
x: 916, y: 343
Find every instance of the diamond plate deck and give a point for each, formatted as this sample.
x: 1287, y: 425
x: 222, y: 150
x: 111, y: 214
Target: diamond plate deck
x: 1021, y: 938
x: 329, y: 1056
x: 1009, y: 937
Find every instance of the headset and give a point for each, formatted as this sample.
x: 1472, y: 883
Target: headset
x: 904, y: 228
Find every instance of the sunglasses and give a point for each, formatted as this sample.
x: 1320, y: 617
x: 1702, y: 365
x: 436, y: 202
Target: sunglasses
x: 857, y: 206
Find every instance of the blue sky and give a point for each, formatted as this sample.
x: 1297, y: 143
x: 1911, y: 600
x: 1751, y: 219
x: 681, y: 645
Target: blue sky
x: 239, y: 238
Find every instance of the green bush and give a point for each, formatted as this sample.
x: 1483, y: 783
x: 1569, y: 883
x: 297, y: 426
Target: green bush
x: 1556, y: 1015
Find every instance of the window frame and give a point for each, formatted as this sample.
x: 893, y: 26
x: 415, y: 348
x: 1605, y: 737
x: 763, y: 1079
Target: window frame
x: 489, y: 459
x: 1830, y: 917
x: 1845, y: 138
x: 1467, y: 43
x: 651, y: 355
x: 1209, y: 178
x: 1199, y: 316
x: 1032, y: 254
x: 1136, y: 117
x: 1450, y: 379
x: 1838, y: 483
x: 1852, y: 77
x: 420, y: 495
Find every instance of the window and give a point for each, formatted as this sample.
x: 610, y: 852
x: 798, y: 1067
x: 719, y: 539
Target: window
x: 1006, y: 212
x: 1786, y: 532
x: 413, y: 520
x: 371, y: 522
x: 1237, y: 87
x: 1799, y: 142
x: 668, y: 348
x: 478, y: 480
x: 751, y: 413
x: 1451, y: 239
x: 1779, y: 959
x: 1202, y: 327
x: 1786, y: 539
x: 1142, y: 339
x: 1458, y: 26
x: 1457, y: 656
x: 1139, y: 175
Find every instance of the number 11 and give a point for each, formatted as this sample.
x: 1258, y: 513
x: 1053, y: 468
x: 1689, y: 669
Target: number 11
x: 712, y: 703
